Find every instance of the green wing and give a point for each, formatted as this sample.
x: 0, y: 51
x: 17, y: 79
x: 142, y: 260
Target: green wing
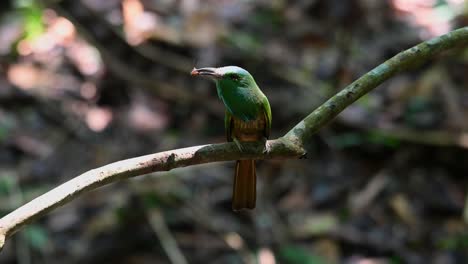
x: 228, y: 125
x: 228, y: 121
x: 267, y: 112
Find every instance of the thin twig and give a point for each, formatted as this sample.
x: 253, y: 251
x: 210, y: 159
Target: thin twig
x: 168, y: 242
x: 402, y: 61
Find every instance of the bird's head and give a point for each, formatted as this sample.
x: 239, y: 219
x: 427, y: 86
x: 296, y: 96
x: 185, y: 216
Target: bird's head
x: 228, y: 76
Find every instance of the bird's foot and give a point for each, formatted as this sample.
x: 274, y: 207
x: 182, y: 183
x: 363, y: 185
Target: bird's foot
x: 238, y: 144
x: 266, y: 147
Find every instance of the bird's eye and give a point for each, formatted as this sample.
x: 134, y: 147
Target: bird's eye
x: 235, y: 77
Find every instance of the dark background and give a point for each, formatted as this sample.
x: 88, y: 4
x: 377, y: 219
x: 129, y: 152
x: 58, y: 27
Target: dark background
x: 86, y: 83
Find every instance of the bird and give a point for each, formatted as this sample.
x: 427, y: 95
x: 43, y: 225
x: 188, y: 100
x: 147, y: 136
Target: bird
x: 247, y: 119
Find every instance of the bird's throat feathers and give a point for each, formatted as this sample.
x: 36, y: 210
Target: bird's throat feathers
x: 243, y: 99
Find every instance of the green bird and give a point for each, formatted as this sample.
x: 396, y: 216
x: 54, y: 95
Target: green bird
x: 247, y: 119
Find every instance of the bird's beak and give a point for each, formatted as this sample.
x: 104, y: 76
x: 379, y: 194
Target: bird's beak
x: 209, y: 72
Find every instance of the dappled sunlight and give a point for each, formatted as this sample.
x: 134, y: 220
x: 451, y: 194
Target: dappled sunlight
x: 62, y: 29
x: 266, y: 256
x: 9, y: 33
x: 142, y: 118
x: 98, y: 118
x: 433, y: 19
x: 138, y: 24
x: 40, y: 81
x: 464, y: 140
x: 368, y: 261
x: 27, y: 76
x: 234, y: 240
x: 85, y: 57
x: 59, y: 32
x: 43, y: 57
x: 88, y: 90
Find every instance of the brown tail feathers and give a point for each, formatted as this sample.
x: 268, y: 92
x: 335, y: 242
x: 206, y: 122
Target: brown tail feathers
x: 244, y: 192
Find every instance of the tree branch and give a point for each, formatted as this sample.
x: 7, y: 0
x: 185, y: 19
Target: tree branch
x: 162, y: 161
x: 400, y: 62
x: 289, y: 146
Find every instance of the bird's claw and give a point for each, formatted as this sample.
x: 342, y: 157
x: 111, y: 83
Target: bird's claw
x: 266, y: 147
x: 238, y: 144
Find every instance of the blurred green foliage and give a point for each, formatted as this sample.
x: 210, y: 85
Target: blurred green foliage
x: 31, y: 13
x: 6, y: 126
x: 7, y: 184
x: 298, y: 255
x: 268, y: 18
x: 354, y: 139
x: 37, y: 237
x: 455, y: 242
x: 245, y: 42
